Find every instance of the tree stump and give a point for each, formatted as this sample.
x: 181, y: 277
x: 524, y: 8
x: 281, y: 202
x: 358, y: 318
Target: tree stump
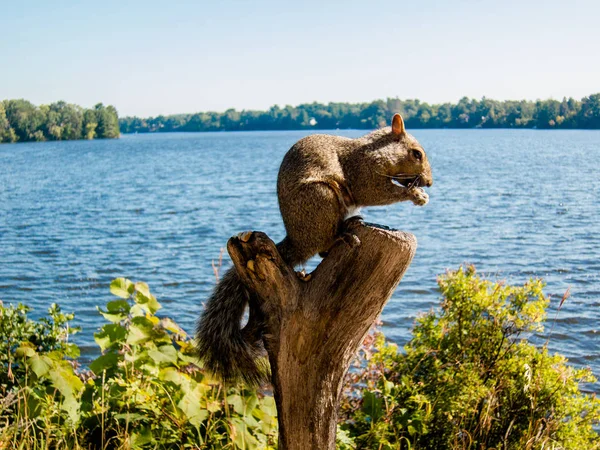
x: 314, y: 326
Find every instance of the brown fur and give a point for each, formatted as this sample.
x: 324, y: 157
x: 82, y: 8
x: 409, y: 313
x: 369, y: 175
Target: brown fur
x: 321, y: 180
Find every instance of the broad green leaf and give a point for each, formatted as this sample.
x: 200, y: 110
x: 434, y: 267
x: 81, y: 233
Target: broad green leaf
x: 268, y: 406
x: 71, y: 406
x: 121, y: 287
x: 251, y: 402
x: 173, y: 375
x: 64, y: 379
x: 164, y: 354
x: 148, y: 303
x: 110, y: 334
x: 372, y: 406
x: 40, y: 365
x: 140, y: 330
x: 33, y: 404
x: 137, y: 311
x: 268, y: 423
x: 171, y: 326
x: 237, y: 402
x: 241, y: 436
x: 112, y: 317
x: 72, y: 351
x: 141, y: 437
x: 118, y: 307
x: 387, y: 387
x: 104, y: 362
x: 190, y: 359
x: 251, y: 421
x: 150, y: 369
x: 24, y: 351
x: 142, y: 288
x: 190, y: 404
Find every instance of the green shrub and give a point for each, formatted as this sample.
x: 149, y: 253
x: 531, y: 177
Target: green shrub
x: 470, y: 380
x: 39, y: 389
x: 146, y: 390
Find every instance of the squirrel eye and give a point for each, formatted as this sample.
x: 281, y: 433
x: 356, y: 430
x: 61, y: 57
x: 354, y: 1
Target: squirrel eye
x: 418, y: 154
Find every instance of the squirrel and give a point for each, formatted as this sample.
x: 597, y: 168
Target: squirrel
x: 323, y: 180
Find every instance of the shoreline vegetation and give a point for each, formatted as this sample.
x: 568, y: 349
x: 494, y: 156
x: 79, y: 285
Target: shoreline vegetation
x: 467, y: 379
x: 467, y: 113
x: 22, y: 121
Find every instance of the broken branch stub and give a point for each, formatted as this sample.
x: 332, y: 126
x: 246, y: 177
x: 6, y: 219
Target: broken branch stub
x: 313, y: 328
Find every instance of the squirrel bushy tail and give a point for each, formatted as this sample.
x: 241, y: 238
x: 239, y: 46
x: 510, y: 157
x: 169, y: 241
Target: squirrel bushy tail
x: 227, y: 350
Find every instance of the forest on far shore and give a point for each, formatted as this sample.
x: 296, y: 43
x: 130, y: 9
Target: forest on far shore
x: 22, y: 121
x: 467, y: 113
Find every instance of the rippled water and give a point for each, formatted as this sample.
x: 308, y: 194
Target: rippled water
x: 158, y: 208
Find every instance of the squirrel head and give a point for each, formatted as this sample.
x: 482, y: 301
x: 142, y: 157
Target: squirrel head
x: 387, y: 157
x: 396, y: 155
x: 407, y: 161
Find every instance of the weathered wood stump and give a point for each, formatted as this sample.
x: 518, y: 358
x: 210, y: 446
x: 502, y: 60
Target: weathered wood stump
x: 315, y: 325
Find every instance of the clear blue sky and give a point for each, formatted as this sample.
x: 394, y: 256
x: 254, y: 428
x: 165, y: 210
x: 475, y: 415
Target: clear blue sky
x: 150, y: 58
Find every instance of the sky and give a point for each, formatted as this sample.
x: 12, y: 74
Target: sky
x: 148, y: 58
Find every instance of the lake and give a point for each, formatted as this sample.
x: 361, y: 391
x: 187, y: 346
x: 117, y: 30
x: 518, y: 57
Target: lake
x: 159, y: 208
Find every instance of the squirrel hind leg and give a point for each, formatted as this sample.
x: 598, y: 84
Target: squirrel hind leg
x: 313, y: 218
x: 347, y: 235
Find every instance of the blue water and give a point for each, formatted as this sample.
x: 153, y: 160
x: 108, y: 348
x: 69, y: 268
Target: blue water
x: 158, y: 208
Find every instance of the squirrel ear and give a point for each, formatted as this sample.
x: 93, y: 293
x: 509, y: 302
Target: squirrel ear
x: 398, y: 125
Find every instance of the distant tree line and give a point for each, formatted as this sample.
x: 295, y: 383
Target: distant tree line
x: 467, y: 113
x: 21, y: 121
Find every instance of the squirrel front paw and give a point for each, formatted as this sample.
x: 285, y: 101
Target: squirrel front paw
x: 418, y: 196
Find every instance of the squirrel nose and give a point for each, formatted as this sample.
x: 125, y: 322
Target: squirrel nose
x: 428, y: 182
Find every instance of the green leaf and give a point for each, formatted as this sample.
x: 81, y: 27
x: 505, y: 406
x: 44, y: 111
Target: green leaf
x: 171, y: 374
x: 148, y: 303
x: 387, y: 387
x: 130, y: 417
x: 118, y: 307
x: 251, y: 402
x: 268, y: 406
x: 142, y: 288
x: 242, y: 437
x: 72, y: 351
x: 72, y: 406
x: 121, y: 287
x: 137, y: 311
x: 191, y: 405
x: 141, y: 437
x: 64, y: 379
x: 171, y: 326
x: 24, y: 351
x: 372, y: 406
x: 112, y: 317
x: 164, y: 354
x: 251, y: 421
x: 237, y: 402
x: 109, y: 335
x: 40, y: 365
x: 104, y: 362
x: 140, y: 330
